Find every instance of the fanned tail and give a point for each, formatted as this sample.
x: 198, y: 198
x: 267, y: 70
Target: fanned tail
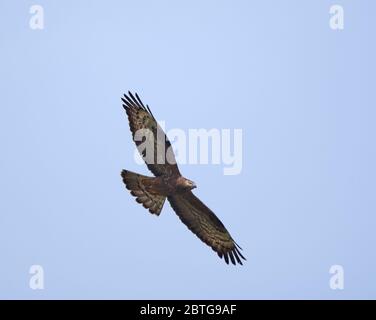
x: 141, y: 187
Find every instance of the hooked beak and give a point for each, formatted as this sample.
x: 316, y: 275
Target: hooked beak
x: 194, y: 186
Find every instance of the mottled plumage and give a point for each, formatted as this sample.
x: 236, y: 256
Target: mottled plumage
x: 168, y: 183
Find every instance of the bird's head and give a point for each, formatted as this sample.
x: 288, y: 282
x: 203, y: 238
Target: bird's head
x: 186, y: 184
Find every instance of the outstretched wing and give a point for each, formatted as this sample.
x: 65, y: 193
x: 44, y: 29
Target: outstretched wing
x: 205, y: 224
x: 150, y: 139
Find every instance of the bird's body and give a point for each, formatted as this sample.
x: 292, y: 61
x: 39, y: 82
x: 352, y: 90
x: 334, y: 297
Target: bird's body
x: 169, y: 184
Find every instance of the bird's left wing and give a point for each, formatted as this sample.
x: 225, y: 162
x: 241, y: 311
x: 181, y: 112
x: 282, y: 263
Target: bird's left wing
x: 150, y: 139
x: 205, y: 224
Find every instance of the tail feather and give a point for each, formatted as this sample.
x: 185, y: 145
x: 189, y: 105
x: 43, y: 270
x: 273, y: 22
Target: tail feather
x: 139, y: 186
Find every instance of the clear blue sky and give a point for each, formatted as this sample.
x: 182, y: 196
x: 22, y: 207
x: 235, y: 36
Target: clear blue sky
x: 303, y: 94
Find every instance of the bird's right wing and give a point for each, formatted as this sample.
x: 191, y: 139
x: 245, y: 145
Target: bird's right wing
x: 150, y: 139
x: 205, y: 224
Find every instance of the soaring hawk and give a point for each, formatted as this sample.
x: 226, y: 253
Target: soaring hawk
x: 169, y: 184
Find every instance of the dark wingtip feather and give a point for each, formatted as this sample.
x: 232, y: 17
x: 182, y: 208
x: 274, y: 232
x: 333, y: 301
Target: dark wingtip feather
x: 139, y: 100
x: 238, y: 252
x: 151, y: 113
x: 238, y: 246
x: 237, y: 257
x: 125, y: 104
x: 232, y: 258
x: 141, y: 106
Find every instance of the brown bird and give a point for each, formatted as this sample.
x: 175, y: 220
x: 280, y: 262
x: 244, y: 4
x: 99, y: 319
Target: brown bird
x: 168, y: 182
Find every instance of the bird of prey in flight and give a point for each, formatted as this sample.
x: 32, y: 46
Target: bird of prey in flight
x: 169, y: 184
